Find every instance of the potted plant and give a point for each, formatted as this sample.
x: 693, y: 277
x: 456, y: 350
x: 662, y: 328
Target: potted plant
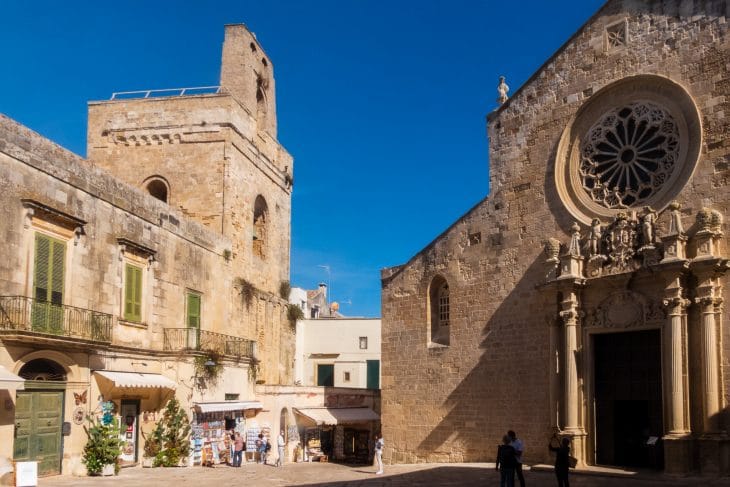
x: 102, y: 450
x: 174, y: 435
x: 152, y: 446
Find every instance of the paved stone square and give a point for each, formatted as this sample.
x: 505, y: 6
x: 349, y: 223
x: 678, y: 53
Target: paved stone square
x: 330, y: 474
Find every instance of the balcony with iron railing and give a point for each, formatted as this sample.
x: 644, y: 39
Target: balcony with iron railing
x: 28, y: 319
x: 194, y: 339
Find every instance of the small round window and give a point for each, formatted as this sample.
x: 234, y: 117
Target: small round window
x: 634, y: 143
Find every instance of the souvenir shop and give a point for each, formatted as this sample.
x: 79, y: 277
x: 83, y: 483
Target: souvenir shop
x: 211, y: 428
x: 341, y: 434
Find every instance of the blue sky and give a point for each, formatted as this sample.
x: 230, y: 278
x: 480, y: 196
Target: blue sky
x: 381, y: 103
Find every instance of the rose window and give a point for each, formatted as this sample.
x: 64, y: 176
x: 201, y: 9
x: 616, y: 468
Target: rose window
x: 628, y: 155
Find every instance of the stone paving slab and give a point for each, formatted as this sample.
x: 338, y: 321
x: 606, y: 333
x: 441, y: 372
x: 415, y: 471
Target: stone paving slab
x: 335, y: 475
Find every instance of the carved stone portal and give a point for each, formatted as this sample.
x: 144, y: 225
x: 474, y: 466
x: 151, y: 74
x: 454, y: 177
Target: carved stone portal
x: 625, y: 310
x: 631, y: 242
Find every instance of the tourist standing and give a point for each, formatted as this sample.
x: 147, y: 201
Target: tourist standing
x: 267, y: 449
x: 506, y: 461
x: 280, y: 444
x: 231, y: 447
x: 260, y: 447
x: 519, y: 447
x: 562, y: 463
x: 379, y: 444
x: 237, y: 449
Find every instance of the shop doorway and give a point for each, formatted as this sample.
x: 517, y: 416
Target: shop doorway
x: 356, y: 447
x: 628, y: 399
x: 129, y: 431
x: 39, y: 416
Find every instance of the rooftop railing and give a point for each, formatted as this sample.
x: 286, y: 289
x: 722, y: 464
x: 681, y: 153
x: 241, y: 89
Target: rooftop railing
x: 197, y: 90
x: 35, y: 317
x: 202, y: 340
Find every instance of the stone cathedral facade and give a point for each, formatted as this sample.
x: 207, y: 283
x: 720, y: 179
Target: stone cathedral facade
x: 585, y: 295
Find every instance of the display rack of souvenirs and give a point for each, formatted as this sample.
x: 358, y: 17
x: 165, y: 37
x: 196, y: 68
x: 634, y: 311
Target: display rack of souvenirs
x: 252, y: 434
x: 211, y: 442
x: 314, y: 446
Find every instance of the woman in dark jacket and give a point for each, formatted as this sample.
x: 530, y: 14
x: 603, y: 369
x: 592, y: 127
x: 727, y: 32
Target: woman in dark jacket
x: 562, y: 465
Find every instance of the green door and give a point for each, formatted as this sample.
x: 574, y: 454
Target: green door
x: 48, y: 276
x: 326, y: 375
x: 38, y: 421
x: 373, y: 374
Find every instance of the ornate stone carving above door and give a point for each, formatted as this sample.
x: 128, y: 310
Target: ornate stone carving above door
x: 624, y: 309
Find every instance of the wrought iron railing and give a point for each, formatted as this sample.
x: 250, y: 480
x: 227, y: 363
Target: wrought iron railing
x: 195, y: 339
x: 21, y: 313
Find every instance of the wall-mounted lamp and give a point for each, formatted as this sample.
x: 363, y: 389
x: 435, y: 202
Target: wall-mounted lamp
x: 210, y: 363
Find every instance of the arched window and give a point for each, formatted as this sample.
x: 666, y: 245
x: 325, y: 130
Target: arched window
x: 158, y: 188
x: 42, y: 369
x: 439, y: 311
x: 260, y: 215
x: 262, y: 87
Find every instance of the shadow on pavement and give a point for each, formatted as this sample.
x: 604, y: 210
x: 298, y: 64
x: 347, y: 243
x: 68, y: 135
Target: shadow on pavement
x: 429, y: 476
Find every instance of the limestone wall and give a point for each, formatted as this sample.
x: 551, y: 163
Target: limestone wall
x: 186, y: 255
x: 454, y: 403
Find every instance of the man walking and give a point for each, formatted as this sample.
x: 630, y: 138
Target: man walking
x: 516, y: 443
x: 280, y: 443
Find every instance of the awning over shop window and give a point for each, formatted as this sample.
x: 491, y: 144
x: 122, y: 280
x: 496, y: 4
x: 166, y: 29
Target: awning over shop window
x: 332, y: 416
x: 10, y: 381
x: 217, y: 407
x: 133, y: 380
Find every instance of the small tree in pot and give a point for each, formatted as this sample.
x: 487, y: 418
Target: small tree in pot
x: 152, y: 445
x: 103, y: 447
x: 175, y: 436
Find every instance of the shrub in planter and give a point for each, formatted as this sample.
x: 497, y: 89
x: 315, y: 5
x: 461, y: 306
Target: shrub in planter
x: 103, y: 446
x: 152, y: 445
x: 174, y: 436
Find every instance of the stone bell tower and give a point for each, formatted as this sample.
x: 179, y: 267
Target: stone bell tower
x: 248, y: 75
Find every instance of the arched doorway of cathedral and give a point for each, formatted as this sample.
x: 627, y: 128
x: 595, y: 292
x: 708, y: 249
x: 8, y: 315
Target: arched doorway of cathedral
x: 39, y: 415
x: 627, y: 390
x: 623, y: 344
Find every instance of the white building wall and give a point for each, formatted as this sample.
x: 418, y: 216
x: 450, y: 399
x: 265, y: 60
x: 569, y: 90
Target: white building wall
x: 337, y: 342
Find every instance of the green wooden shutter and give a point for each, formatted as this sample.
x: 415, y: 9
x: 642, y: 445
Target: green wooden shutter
x: 42, y: 266
x: 193, y: 319
x: 133, y: 293
x: 58, y: 254
x: 48, y: 277
x: 138, y: 293
x: 373, y: 370
x: 326, y: 375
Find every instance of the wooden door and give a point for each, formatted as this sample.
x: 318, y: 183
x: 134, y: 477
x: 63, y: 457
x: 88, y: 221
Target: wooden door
x: 38, y: 422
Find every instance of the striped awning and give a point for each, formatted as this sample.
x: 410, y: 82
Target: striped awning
x: 224, y: 406
x: 333, y: 416
x: 10, y: 381
x: 136, y: 380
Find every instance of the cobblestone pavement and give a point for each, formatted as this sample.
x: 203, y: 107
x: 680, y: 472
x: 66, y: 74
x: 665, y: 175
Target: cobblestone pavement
x: 334, y: 475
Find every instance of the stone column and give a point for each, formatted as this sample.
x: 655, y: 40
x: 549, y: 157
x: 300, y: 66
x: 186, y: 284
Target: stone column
x: 710, y: 364
x: 571, y: 400
x: 678, y: 440
x: 676, y: 313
